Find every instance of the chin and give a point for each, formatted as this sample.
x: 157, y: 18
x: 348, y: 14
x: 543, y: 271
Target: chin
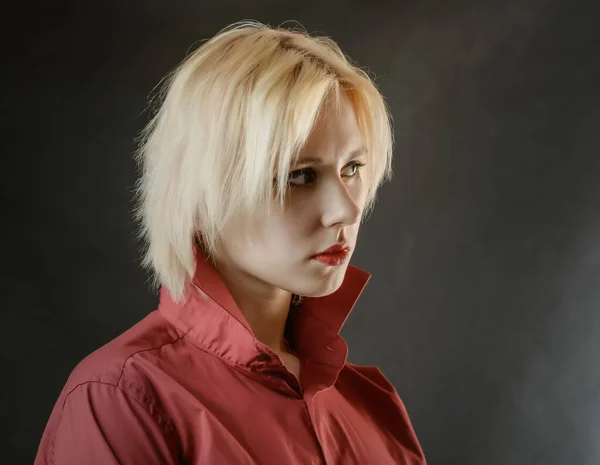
x: 323, y: 285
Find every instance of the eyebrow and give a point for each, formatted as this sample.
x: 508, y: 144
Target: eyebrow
x: 308, y: 161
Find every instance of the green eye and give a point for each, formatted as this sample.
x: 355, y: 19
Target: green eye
x: 351, y: 170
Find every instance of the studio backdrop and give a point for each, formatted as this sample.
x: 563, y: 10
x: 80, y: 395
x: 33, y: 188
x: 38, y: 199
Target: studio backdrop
x: 484, y: 304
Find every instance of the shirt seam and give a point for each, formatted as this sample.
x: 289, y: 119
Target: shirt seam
x: 165, y: 425
x: 183, y: 333
x: 165, y: 418
x: 159, y: 416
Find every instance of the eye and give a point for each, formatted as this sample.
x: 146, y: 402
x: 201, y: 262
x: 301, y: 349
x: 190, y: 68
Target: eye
x: 302, y: 177
x: 351, y: 170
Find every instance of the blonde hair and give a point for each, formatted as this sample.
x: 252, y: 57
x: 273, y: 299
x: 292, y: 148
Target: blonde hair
x: 231, y: 119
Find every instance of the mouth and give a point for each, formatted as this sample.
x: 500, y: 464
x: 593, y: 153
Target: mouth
x: 334, y: 256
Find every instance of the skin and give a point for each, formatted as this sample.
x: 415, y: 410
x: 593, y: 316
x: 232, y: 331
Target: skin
x: 324, y: 205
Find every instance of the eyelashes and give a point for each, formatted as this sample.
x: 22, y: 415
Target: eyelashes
x: 356, y: 166
x: 302, y: 176
x: 306, y: 176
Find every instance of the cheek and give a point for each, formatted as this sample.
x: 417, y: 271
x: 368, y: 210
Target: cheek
x: 359, y: 193
x: 279, y: 232
x: 300, y: 214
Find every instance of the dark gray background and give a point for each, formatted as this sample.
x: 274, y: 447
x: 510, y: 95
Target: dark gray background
x: 484, y: 250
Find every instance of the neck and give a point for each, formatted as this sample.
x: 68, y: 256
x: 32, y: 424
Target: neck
x: 265, y: 307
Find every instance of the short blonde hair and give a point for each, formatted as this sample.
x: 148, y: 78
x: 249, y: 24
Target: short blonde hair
x: 231, y: 119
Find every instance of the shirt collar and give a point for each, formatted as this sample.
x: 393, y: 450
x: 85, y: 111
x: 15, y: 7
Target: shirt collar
x: 214, y: 323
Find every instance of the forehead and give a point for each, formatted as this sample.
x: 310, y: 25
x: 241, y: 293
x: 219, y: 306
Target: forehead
x: 335, y: 136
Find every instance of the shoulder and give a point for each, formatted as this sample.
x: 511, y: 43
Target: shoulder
x: 127, y: 361
x: 372, y: 392
x: 108, y: 407
x: 369, y: 375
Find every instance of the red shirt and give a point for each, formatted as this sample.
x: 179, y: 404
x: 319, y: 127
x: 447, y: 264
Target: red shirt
x: 190, y: 384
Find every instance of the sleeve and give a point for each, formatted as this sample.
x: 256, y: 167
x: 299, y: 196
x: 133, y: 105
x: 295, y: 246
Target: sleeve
x: 101, y: 424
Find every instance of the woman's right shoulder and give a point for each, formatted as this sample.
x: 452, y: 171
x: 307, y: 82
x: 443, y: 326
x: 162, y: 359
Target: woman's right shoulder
x: 109, y: 403
x: 130, y: 358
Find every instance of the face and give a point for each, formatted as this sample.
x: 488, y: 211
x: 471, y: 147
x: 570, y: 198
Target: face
x: 323, y: 208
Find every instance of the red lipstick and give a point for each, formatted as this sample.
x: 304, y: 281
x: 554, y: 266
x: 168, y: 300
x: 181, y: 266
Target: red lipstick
x: 334, y: 256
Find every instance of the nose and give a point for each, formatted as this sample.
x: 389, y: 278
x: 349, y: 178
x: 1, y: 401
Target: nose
x: 340, y: 203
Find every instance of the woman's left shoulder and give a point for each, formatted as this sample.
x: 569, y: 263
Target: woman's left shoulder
x: 370, y: 375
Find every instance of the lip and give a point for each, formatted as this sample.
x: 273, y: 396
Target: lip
x: 336, y: 248
x: 335, y: 255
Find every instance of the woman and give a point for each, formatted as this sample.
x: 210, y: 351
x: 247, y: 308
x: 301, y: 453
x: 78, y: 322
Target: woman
x: 256, y: 171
